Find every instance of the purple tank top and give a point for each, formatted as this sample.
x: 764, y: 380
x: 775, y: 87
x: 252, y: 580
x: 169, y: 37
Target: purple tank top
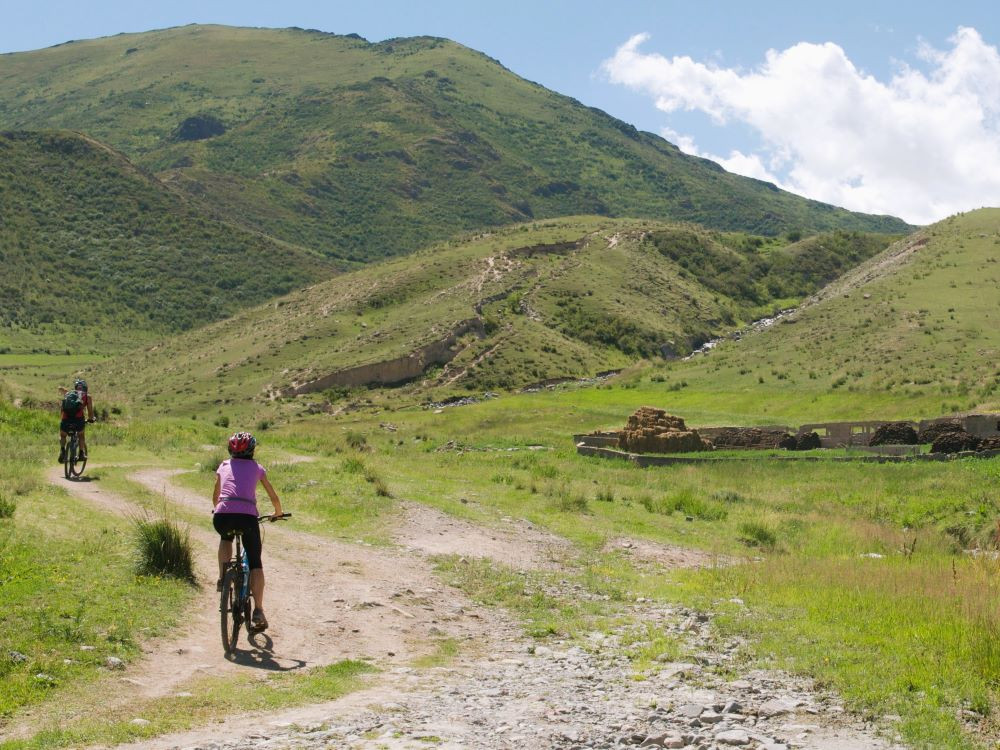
x: 238, y: 479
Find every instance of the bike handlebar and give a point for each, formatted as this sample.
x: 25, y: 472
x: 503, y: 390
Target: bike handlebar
x: 272, y: 518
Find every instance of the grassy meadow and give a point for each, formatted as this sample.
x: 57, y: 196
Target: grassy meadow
x: 71, y: 596
x: 853, y: 573
x: 859, y: 575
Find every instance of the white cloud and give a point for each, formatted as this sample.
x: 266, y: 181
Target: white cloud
x: 922, y: 145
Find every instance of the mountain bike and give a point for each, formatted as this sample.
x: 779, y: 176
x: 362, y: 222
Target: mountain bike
x: 236, y: 601
x: 74, y: 463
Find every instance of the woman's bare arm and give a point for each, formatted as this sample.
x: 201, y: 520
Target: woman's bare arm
x: 271, y: 494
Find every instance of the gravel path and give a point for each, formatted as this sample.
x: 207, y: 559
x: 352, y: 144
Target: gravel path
x: 563, y: 695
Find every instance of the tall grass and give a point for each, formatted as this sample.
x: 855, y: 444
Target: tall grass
x: 688, y: 503
x: 213, y: 462
x: 163, y: 548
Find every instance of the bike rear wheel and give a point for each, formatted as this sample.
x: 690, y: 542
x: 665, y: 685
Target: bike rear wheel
x: 69, y: 463
x: 230, y: 612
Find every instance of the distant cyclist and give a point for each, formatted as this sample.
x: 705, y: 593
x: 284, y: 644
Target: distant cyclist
x: 76, y: 410
x: 234, y: 503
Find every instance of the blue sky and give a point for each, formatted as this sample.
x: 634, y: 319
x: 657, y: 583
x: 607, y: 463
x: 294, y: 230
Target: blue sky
x: 566, y: 46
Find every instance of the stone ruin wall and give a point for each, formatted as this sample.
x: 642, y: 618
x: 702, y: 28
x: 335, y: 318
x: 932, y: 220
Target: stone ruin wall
x: 651, y: 430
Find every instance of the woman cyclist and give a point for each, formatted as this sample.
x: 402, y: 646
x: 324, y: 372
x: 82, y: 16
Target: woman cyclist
x: 234, y: 503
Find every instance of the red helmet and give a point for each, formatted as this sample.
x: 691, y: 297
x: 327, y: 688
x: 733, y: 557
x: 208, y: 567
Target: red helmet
x: 241, y: 445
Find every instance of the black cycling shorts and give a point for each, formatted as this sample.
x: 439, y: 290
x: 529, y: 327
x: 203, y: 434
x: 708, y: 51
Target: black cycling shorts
x: 227, y: 524
x: 72, y: 425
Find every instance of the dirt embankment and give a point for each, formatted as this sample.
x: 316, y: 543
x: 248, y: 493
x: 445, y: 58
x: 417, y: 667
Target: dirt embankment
x: 397, y: 370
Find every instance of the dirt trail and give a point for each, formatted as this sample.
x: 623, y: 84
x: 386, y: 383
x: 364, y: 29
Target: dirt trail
x: 505, y: 691
x: 325, y: 600
x: 516, y: 544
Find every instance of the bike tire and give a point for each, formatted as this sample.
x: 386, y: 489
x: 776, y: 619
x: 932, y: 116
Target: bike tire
x: 80, y: 465
x: 229, y: 610
x: 69, y: 465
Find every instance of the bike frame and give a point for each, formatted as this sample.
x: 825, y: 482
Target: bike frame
x: 238, y: 610
x: 244, y: 565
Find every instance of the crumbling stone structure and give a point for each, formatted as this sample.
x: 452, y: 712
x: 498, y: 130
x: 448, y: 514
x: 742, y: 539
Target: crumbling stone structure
x: 651, y: 430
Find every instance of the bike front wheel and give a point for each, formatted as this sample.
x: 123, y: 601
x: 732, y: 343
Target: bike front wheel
x: 230, y: 610
x: 79, y: 464
x: 69, y: 462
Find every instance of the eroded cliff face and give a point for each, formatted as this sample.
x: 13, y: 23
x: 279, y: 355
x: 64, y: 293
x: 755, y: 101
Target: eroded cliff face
x: 397, y: 370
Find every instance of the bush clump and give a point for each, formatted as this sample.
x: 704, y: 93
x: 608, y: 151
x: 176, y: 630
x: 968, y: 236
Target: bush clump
x: 213, y: 462
x: 758, y: 534
x: 7, y: 507
x: 163, y: 548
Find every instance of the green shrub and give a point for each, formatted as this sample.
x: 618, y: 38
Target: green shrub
x: 686, y: 502
x: 379, y: 485
x: 354, y: 466
x: 163, y: 548
x: 571, y: 502
x: 545, y: 471
x: 7, y: 507
x: 758, y: 534
x: 356, y: 440
x: 728, y: 496
x: 211, y: 463
x: 221, y: 421
x: 606, y: 495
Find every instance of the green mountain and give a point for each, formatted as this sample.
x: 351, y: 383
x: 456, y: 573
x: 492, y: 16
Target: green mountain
x: 362, y: 151
x: 912, y: 332
x: 555, y: 299
x: 98, y: 254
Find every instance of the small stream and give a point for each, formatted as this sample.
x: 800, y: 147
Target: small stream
x: 756, y: 327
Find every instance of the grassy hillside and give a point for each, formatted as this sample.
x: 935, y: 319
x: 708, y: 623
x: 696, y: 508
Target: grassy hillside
x: 98, y: 254
x: 363, y: 150
x: 565, y: 298
x: 912, y: 332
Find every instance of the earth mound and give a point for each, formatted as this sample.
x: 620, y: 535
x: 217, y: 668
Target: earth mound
x: 895, y: 433
x: 954, y: 442
x: 806, y: 442
x: 932, y: 431
x: 651, y: 430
